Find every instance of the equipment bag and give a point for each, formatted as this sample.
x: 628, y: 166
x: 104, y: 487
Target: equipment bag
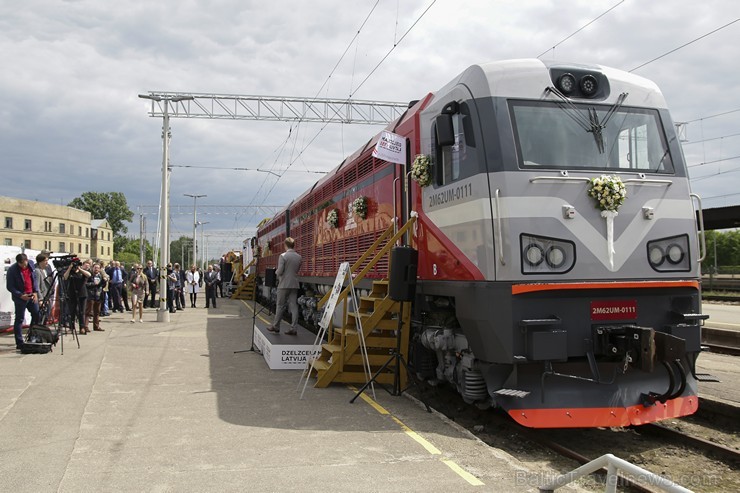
x: 35, y: 348
x: 42, y: 333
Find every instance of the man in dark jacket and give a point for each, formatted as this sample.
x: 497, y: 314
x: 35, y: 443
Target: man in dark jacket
x: 151, y: 275
x: 21, y: 284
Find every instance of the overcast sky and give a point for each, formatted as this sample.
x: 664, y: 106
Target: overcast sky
x: 71, y: 121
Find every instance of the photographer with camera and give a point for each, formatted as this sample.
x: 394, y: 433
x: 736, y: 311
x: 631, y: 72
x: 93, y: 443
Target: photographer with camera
x: 76, y: 276
x: 21, y: 284
x: 95, y: 296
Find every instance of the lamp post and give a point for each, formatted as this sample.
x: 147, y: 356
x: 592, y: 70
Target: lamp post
x: 195, y: 224
x: 203, y: 248
x: 163, y: 315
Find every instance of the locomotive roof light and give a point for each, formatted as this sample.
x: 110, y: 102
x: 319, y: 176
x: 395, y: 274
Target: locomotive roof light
x: 534, y: 254
x: 588, y: 85
x: 567, y: 83
x: 555, y: 257
x: 674, y: 253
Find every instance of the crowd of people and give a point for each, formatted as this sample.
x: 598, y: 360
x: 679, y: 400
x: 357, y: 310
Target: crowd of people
x: 92, y: 290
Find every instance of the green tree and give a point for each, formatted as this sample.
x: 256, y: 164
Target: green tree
x: 111, y: 206
x: 130, y: 247
x: 181, y: 250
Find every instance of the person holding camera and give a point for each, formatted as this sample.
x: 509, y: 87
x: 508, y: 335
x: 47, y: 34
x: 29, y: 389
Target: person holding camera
x: 95, y: 296
x: 21, y: 284
x: 76, y: 277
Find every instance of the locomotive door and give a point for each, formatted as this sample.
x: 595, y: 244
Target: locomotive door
x: 457, y: 200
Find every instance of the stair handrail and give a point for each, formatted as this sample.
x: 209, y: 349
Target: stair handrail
x: 383, y: 251
x: 243, y: 283
x: 242, y: 271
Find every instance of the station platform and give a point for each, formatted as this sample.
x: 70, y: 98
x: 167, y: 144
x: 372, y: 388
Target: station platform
x: 175, y: 407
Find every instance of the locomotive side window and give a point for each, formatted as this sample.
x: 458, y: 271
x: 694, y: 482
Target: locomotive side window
x: 451, y: 161
x: 553, y: 136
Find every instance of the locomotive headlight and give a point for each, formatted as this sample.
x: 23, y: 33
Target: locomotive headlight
x: 566, y: 83
x: 674, y: 249
x: 555, y: 257
x: 656, y: 255
x: 534, y: 254
x: 674, y: 253
x: 588, y: 85
x: 543, y: 255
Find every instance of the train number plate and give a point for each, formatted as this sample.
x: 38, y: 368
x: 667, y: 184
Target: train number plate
x: 614, y: 310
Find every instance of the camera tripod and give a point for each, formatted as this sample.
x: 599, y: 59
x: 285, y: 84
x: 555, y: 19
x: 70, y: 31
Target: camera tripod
x: 397, y: 359
x: 64, y: 316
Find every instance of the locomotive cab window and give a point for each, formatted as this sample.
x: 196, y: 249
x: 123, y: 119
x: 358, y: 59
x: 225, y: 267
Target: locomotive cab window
x: 450, y: 144
x: 552, y: 136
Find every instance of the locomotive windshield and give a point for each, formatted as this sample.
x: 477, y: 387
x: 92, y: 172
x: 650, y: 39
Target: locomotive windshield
x: 609, y: 138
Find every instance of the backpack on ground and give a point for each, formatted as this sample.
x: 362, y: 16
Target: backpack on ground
x: 42, y: 334
x: 35, y: 348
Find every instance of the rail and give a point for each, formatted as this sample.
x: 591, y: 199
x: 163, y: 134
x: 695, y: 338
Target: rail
x: 613, y: 464
x: 383, y: 251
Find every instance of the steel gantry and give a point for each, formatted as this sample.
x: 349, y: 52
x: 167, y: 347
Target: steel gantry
x: 275, y: 108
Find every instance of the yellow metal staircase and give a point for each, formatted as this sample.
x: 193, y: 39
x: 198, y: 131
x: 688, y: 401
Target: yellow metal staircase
x: 245, y: 289
x: 341, y: 359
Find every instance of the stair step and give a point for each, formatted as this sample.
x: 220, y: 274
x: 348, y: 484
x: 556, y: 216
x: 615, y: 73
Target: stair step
x: 384, y: 324
x: 321, y: 365
x: 360, y: 377
x: 376, y: 360
x: 332, y: 348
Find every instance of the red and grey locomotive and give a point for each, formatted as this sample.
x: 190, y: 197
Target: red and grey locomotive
x: 558, y: 271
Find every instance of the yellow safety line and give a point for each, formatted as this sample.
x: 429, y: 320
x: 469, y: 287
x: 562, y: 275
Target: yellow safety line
x: 422, y: 441
x: 374, y: 404
x: 463, y: 473
x: 258, y: 316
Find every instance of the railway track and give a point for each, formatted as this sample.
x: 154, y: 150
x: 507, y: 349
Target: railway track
x: 722, y: 349
x: 668, y: 451
x: 726, y: 454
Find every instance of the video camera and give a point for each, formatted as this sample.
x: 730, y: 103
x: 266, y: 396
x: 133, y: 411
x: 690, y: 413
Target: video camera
x: 64, y: 261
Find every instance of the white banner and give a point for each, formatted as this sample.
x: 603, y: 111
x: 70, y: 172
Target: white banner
x: 390, y: 147
x: 335, y: 291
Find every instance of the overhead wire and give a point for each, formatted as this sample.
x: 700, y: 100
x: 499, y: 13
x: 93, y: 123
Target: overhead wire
x: 298, y: 125
x: 355, y: 90
x: 712, y: 116
x: 711, y: 139
x: 580, y: 29
x: 685, y: 44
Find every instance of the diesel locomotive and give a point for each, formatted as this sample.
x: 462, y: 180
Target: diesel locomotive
x: 559, y: 249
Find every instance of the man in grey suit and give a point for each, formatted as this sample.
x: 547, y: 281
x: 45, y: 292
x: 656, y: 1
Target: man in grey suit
x: 287, y: 273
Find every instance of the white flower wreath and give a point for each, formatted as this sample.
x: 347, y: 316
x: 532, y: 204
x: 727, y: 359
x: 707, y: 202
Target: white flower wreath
x: 332, y: 218
x: 421, y: 170
x: 608, y: 191
x: 359, y: 207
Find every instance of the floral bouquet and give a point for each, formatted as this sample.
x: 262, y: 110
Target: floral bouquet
x: 420, y: 170
x: 359, y: 207
x: 608, y: 191
x: 332, y: 218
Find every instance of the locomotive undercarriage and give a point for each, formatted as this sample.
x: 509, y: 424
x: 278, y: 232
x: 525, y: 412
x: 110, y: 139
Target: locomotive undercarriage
x: 623, y: 369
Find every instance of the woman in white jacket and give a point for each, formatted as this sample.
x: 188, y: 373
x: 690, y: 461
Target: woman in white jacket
x: 193, y: 277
